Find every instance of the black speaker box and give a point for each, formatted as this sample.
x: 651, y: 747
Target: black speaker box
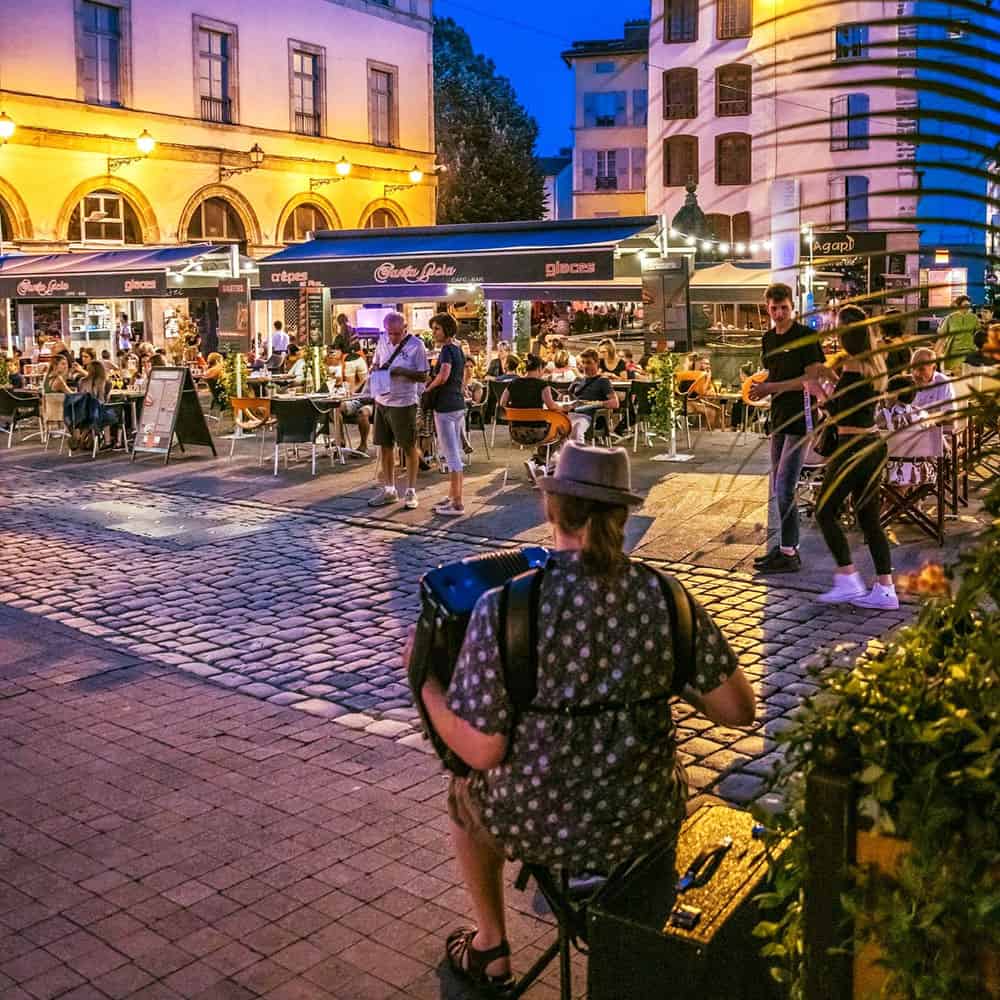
x: 636, y: 953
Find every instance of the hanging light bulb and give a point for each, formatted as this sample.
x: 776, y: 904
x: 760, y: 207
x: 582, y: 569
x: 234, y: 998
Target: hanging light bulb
x: 673, y: 232
x: 754, y: 248
x: 416, y: 175
x: 741, y: 248
x: 706, y: 246
x: 343, y: 167
x: 691, y: 241
x: 723, y: 248
x: 767, y: 244
x: 145, y: 143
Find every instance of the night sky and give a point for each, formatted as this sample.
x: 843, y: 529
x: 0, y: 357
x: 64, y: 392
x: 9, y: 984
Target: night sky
x: 524, y: 39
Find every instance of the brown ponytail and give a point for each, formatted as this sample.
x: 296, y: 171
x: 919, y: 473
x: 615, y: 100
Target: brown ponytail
x: 604, y: 537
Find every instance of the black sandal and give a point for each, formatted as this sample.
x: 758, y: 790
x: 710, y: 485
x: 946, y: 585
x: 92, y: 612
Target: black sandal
x: 470, y: 963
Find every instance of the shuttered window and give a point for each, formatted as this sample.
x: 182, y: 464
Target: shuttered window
x: 732, y: 90
x: 680, y: 93
x: 680, y: 160
x: 732, y: 158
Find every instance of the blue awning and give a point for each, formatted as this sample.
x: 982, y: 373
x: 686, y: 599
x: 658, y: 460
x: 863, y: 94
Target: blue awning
x: 492, y: 253
x: 145, y: 272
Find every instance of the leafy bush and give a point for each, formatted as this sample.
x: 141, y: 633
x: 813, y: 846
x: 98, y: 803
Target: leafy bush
x: 920, y: 720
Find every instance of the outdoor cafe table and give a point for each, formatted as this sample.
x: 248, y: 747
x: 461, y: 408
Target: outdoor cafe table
x: 325, y: 404
x: 130, y: 397
x: 266, y: 385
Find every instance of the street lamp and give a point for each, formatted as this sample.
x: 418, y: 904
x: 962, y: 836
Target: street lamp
x: 7, y: 127
x: 416, y: 175
x: 256, y: 157
x: 343, y: 168
x: 144, y: 142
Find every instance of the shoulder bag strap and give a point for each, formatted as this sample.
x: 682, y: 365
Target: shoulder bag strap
x: 395, y: 353
x: 680, y: 605
x: 519, y: 637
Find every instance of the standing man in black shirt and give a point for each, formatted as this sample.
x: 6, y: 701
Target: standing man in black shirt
x: 792, y: 357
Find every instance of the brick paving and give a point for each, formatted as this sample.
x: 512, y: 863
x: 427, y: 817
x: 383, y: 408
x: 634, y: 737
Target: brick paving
x: 163, y: 835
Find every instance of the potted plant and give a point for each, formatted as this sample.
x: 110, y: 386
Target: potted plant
x: 919, y: 723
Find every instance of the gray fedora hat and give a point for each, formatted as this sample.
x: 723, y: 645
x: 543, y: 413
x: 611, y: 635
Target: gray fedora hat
x: 592, y: 474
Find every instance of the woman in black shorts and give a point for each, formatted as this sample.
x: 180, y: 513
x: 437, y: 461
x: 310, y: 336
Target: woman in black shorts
x: 855, y: 469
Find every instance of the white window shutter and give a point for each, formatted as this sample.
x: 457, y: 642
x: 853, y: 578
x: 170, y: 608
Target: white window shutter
x: 622, y: 169
x: 588, y: 182
x: 838, y: 201
x: 639, y: 168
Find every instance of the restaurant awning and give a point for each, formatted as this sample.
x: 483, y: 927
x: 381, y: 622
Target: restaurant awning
x: 729, y: 283
x: 616, y: 290
x: 146, y: 272
x: 417, y: 262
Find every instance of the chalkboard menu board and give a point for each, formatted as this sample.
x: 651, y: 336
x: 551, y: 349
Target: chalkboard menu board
x: 234, y: 314
x: 170, y: 411
x: 311, y: 313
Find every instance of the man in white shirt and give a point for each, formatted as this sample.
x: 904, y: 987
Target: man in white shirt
x: 279, y: 339
x: 399, y: 371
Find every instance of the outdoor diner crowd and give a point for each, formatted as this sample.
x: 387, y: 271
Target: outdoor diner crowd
x: 418, y: 402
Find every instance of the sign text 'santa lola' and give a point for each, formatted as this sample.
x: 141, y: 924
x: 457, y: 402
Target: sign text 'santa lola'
x: 412, y: 274
x: 28, y: 288
x: 559, y: 268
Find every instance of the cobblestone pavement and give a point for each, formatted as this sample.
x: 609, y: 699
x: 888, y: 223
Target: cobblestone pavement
x: 161, y: 838
x: 310, y: 609
x: 164, y: 836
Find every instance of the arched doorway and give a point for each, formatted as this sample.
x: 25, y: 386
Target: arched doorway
x: 105, y: 217
x: 302, y: 220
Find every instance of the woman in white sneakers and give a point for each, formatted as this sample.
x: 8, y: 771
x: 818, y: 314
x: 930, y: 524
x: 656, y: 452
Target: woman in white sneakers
x: 856, y: 468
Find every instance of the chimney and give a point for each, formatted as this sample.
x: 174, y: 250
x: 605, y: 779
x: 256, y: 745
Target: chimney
x: 637, y: 32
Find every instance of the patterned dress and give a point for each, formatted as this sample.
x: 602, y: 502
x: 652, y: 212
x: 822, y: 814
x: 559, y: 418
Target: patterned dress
x: 587, y: 791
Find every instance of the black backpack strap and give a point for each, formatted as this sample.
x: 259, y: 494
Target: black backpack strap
x: 680, y: 605
x: 519, y: 637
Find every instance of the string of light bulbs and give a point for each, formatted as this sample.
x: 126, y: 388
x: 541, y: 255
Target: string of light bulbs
x: 722, y: 246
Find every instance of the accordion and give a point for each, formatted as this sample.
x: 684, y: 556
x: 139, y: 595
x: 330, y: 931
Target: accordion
x: 448, y: 595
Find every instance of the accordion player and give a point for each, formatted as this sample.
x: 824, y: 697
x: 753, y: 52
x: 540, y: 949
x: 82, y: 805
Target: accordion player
x: 448, y: 596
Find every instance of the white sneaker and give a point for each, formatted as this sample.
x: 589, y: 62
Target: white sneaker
x: 410, y: 499
x: 532, y: 471
x: 845, y: 589
x: 385, y: 495
x: 882, y: 596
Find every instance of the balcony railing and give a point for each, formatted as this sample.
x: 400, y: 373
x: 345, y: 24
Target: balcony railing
x: 217, y: 109
x: 606, y: 183
x: 734, y: 106
x: 306, y: 124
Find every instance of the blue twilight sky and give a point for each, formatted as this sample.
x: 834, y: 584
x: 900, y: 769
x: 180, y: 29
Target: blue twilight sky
x: 524, y: 39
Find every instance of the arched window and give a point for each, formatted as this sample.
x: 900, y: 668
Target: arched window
x: 216, y: 219
x: 382, y: 218
x: 303, y: 220
x: 6, y: 226
x: 732, y: 158
x: 680, y: 160
x: 105, y: 217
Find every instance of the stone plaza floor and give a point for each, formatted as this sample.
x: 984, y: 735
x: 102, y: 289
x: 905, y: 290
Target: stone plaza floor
x: 211, y: 780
